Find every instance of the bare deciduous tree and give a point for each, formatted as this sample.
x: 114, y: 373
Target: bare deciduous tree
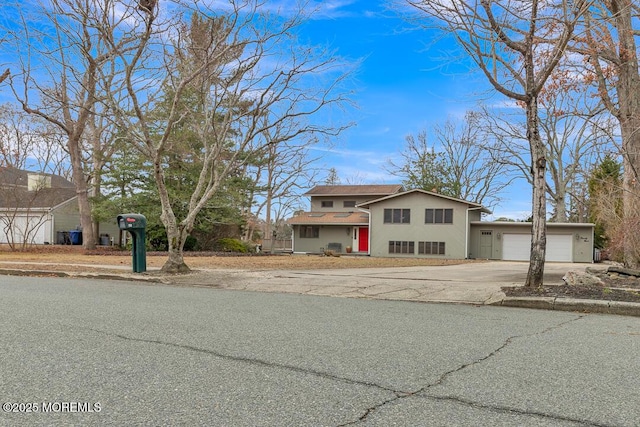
x: 30, y: 143
x: 62, y: 58
x: 611, y: 49
x: 575, y: 132
x: 516, y: 44
x: 461, y: 167
x: 5, y: 75
x: 232, y: 75
x: 283, y: 170
x: 475, y: 174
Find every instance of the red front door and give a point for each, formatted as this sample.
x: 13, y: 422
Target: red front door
x: 363, y: 239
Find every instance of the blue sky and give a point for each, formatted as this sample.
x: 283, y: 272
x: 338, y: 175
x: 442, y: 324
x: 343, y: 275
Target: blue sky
x: 403, y: 86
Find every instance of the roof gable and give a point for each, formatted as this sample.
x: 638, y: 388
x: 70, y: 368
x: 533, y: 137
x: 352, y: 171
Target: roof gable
x: 15, y: 193
x: 429, y: 193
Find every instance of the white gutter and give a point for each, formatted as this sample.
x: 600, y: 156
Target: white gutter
x: 467, y: 230
x: 293, y: 235
x: 52, y: 234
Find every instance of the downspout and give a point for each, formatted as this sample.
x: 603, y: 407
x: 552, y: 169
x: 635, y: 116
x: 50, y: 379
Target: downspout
x: 593, y: 242
x: 52, y: 239
x: 293, y: 235
x: 467, y: 231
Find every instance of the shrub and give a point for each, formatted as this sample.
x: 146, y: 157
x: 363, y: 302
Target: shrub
x: 190, y: 244
x: 231, y: 245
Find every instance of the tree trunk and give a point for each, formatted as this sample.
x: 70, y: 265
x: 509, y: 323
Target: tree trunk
x: 560, y: 204
x: 175, y: 263
x: 628, y: 90
x: 176, y: 236
x: 631, y: 192
x: 82, y: 191
x: 539, y: 202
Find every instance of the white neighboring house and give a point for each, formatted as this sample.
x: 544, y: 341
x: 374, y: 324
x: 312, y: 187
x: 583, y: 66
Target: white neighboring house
x: 37, y: 208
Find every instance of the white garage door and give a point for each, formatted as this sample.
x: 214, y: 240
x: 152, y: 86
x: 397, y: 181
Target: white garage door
x: 560, y: 248
x: 516, y: 247
x: 18, y: 229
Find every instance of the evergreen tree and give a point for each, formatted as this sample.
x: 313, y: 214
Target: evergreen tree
x: 605, y: 200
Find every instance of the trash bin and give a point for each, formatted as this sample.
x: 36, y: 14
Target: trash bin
x: 104, y: 239
x: 75, y: 236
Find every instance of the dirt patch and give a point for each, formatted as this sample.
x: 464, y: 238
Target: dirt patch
x: 616, y: 287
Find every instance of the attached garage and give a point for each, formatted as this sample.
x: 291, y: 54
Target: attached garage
x: 511, y: 241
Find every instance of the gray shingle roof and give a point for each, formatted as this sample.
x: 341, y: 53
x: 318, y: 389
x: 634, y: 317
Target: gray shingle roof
x: 14, y: 192
x: 330, y: 218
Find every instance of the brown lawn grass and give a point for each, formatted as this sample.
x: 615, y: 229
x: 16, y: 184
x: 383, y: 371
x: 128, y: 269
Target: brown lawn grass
x: 59, y: 257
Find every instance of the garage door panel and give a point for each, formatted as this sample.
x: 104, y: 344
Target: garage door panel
x: 559, y: 248
x: 516, y: 247
x: 13, y: 229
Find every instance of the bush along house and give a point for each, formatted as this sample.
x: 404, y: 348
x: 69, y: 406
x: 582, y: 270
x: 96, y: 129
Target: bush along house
x: 385, y: 221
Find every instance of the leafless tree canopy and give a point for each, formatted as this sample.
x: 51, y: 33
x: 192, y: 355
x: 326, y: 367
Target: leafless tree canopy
x: 516, y: 45
x: 241, y: 82
x: 609, y: 45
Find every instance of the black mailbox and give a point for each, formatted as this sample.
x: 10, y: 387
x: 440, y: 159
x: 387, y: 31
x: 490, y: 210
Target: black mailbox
x: 136, y: 225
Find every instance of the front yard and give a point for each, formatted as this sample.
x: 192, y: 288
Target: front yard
x: 59, y: 258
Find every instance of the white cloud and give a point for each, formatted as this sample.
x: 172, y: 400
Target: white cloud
x: 329, y: 9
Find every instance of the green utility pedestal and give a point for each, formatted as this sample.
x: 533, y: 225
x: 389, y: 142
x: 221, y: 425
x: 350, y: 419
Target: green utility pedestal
x: 136, y: 224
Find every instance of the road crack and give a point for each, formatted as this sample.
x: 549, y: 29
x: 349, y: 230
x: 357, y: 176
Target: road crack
x: 511, y: 410
x: 421, y: 392
x: 249, y: 360
x: 397, y: 395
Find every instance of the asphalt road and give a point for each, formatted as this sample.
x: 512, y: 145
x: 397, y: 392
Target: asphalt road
x: 135, y: 354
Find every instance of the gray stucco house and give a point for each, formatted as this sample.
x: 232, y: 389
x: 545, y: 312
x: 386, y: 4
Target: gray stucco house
x: 384, y: 221
x: 335, y: 221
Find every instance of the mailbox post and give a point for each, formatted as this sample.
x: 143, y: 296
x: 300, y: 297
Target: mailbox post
x: 136, y: 224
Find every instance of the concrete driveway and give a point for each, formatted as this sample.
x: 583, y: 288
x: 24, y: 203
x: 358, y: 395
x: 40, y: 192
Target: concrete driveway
x: 473, y: 283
